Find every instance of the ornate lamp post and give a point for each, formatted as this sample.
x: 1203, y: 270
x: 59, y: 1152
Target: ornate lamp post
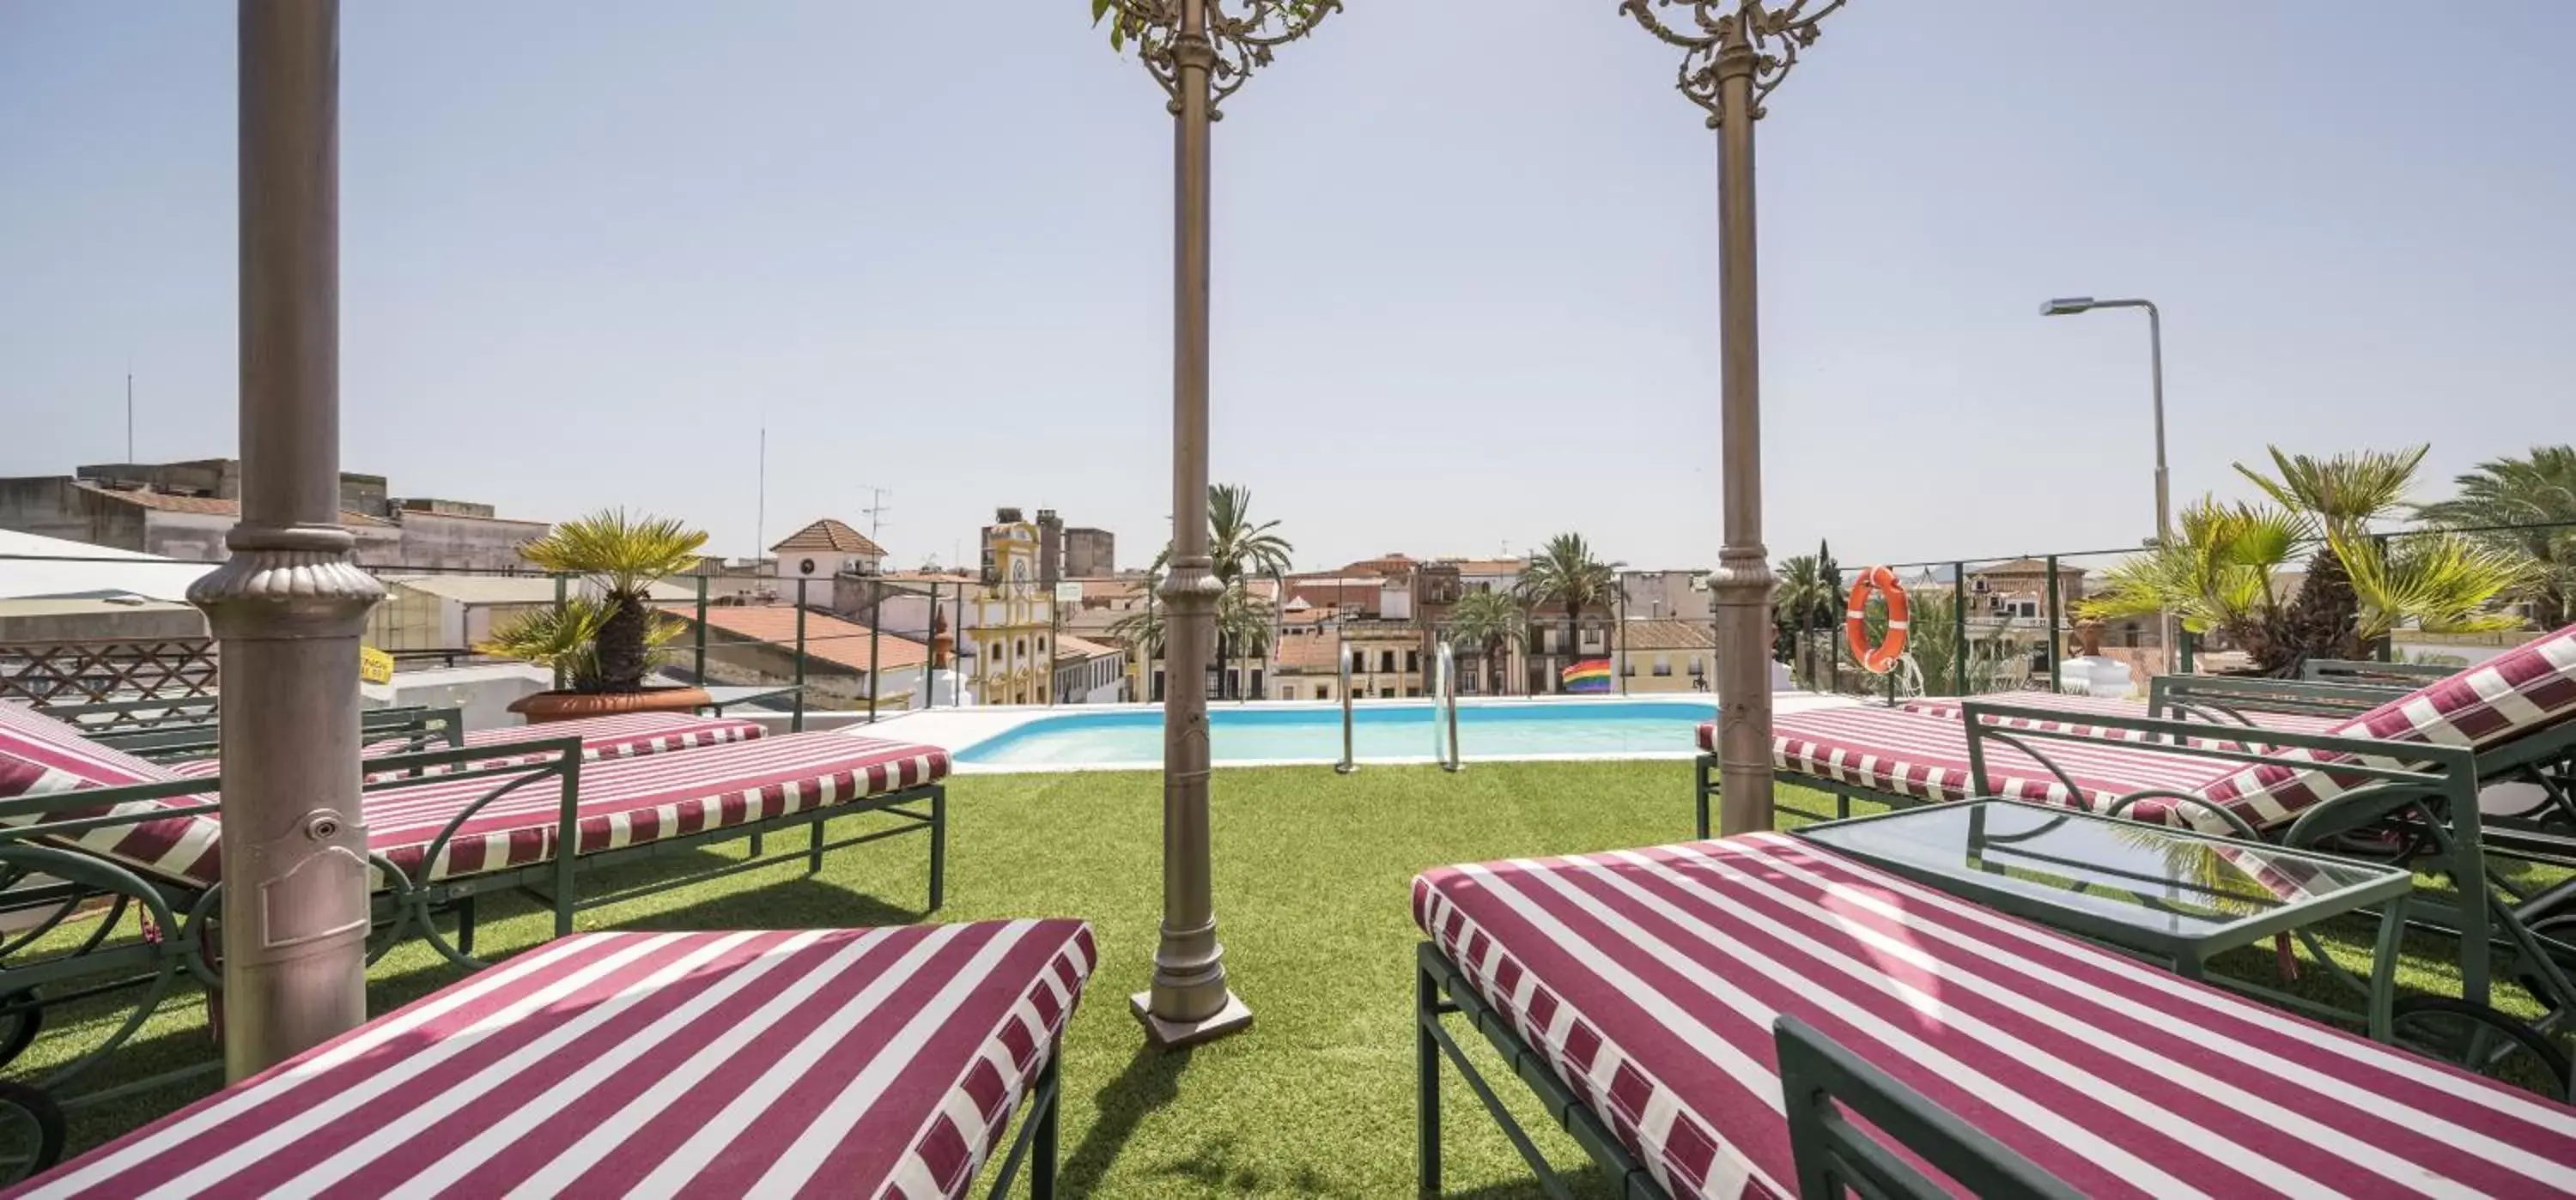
x: 288, y: 605
x: 1201, y: 51
x: 1735, y: 52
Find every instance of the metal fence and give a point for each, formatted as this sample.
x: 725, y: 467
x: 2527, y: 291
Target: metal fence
x: 2005, y: 623
x: 853, y: 643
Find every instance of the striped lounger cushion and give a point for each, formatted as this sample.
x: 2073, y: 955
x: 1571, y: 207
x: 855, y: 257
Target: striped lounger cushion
x: 623, y: 801
x: 868, y: 1062
x: 622, y: 735
x: 1647, y: 981
x: 1947, y: 708
x: 2528, y: 688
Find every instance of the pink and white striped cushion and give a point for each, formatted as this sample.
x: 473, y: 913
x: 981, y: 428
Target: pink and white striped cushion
x: 620, y: 735
x: 633, y: 801
x: 41, y: 756
x: 1647, y: 981
x: 1926, y: 758
x: 860, y: 1062
x: 2525, y: 689
x: 623, y: 801
x: 1948, y: 708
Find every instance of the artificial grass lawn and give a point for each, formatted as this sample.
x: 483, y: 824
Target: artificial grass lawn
x: 1312, y: 904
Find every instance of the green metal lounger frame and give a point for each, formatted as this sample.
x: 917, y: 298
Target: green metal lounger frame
x: 59, y: 886
x: 1818, y: 1078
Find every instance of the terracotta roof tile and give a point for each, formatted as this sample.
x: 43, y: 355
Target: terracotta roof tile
x: 827, y: 638
x: 1667, y: 634
x: 828, y: 534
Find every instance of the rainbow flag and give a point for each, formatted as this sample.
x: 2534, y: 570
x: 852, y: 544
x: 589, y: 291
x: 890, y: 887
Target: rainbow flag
x: 1590, y: 675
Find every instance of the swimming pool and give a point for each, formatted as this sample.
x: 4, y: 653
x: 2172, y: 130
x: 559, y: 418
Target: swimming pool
x: 1133, y: 737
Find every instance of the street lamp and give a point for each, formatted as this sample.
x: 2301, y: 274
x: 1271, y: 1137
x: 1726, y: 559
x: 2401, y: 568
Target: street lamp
x: 2067, y: 306
x: 1201, y: 51
x: 1735, y: 53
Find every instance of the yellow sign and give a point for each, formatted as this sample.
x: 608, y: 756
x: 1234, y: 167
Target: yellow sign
x: 375, y: 666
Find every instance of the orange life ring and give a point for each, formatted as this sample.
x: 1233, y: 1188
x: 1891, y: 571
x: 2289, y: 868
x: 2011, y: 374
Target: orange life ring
x: 1883, y: 657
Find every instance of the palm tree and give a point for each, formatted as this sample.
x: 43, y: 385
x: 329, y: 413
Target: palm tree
x: 620, y: 560
x: 2340, y: 496
x: 1565, y: 572
x: 1239, y: 550
x: 1804, y: 602
x: 2537, y: 490
x: 2216, y: 575
x: 1490, y: 623
x: 1143, y: 631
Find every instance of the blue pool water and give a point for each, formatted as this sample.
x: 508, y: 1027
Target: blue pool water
x: 1134, y: 736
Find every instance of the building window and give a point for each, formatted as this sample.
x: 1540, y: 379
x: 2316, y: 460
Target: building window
x: 1628, y: 665
x: 1041, y: 643
x: 1663, y: 666
x: 1697, y: 666
x: 1323, y: 691
x: 1023, y: 649
x: 1412, y: 660
x: 1591, y: 638
x: 1359, y: 662
x: 1386, y: 693
x: 1288, y: 691
x: 1413, y: 691
x: 1386, y: 660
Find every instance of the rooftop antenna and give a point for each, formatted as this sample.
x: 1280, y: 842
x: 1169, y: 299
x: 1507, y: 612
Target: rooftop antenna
x: 876, y: 509
x: 129, y: 409
x: 760, y: 509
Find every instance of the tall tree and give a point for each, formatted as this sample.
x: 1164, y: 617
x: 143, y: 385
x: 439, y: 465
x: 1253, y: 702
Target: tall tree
x: 1239, y: 551
x: 2538, y: 494
x: 1565, y: 572
x: 1804, y: 592
x: 1490, y: 623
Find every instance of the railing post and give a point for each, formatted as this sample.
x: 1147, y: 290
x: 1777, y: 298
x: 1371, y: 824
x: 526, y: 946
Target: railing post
x: 2189, y: 644
x: 699, y: 653
x: 559, y: 603
x: 796, y: 722
x: 2055, y: 614
x: 2386, y: 649
x: 1959, y: 628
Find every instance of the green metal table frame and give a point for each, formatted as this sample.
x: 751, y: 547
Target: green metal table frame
x: 2187, y: 955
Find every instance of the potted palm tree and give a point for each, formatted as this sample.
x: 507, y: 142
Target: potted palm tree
x: 604, y: 640
x: 2218, y: 574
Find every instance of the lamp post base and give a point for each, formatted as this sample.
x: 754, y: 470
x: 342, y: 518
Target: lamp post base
x: 1235, y: 1017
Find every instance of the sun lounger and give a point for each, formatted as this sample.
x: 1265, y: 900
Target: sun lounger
x: 623, y: 735
x: 875, y: 1062
x: 1637, y: 992
x: 105, y: 824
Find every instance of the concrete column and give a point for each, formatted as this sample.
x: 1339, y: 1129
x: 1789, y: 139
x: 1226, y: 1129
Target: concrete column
x: 288, y: 605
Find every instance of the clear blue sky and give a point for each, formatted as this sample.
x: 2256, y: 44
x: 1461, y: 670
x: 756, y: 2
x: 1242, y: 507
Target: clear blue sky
x: 1465, y: 261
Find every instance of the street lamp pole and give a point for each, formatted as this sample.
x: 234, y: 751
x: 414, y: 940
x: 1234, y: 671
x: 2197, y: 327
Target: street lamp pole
x: 288, y: 604
x: 1201, y: 51
x: 1736, y: 52
x: 2069, y: 306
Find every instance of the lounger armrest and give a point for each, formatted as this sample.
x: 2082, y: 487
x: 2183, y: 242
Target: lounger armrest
x: 416, y: 726
x: 49, y: 814
x: 2449, y: 772
x: 2228, y: 696
x: 1820, y: 1080
x: 2362, y: 668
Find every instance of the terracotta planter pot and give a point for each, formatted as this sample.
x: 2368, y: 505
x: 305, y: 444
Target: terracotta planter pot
x: 567, y: 706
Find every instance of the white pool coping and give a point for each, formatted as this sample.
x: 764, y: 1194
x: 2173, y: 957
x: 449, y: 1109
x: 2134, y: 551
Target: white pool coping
x: 956, y: 729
